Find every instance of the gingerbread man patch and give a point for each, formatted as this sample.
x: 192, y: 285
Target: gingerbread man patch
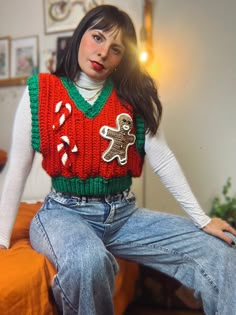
x: 121, y: 139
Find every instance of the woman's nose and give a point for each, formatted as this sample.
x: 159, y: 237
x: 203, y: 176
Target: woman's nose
x: 103, y: 51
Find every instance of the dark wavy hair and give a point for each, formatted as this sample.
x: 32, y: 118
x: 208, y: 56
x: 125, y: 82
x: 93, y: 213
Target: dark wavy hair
x: 132, y: 83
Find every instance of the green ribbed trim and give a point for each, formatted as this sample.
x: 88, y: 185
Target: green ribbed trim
x: 33, y: 84
x: 91, y: 186
x: 140, y: 134
x: 88, y: 110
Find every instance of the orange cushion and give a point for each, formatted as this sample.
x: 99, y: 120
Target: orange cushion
x: 3, y: 157
x: 125, y: 285
x: 26, y: 275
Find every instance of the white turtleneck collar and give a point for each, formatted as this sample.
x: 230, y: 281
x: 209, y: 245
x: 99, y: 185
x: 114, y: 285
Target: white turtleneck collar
x: 85, y: 82
x: 89, y: 88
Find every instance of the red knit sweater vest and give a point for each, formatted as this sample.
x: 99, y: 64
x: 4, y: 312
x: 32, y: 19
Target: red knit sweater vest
x: 87, y: 149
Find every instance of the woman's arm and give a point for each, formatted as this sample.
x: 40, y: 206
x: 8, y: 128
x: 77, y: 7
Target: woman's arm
x: 166, y: 166
x: 18, y: 168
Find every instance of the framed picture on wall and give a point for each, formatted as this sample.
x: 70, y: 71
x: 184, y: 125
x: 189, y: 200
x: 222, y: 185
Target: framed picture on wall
x: 62, y: 43
x: 4, y: 58
x: 24, y: 56
x: 61, y: 16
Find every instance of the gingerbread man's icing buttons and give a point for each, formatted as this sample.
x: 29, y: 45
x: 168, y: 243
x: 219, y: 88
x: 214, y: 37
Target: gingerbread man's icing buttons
x: 121, y: 139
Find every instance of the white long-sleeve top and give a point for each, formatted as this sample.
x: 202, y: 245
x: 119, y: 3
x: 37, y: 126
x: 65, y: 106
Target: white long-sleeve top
x: 21, y: 156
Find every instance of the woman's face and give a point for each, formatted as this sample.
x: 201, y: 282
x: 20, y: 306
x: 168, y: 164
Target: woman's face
x: 100, y: 53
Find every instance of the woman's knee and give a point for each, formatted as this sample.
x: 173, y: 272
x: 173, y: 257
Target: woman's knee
x: 88, y: 265
x: 78, y: 279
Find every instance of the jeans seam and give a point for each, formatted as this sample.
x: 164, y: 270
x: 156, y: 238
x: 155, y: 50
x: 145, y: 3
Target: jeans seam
x: 184, y: 256
x: 40, y: 224
x: 67, y: 301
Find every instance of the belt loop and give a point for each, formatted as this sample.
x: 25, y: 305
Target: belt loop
x: 84, y: 198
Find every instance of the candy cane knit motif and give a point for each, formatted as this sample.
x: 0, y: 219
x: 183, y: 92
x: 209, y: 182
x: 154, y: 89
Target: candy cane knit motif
x: 65, y: 112
x: 63, y: 147
x: 64, y: 144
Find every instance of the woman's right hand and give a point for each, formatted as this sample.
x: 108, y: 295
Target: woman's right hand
x: 2, y: 247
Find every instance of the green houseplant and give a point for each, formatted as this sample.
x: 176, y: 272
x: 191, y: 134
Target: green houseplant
x: 224, y: 207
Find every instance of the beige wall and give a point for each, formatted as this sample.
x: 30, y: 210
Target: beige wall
x: 194, y: 67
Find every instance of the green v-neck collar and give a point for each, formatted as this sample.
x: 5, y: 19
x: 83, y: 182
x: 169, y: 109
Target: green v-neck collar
x: 89, y: 110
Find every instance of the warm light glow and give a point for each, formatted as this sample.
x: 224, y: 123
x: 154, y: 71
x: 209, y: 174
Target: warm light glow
x: 143, y: 57
x: 145, y: 51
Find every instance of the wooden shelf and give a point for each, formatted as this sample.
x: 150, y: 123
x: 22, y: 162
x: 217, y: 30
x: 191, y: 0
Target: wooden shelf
x: 13, y: 81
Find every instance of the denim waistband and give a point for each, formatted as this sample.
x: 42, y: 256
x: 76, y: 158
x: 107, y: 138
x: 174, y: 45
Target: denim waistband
x: 100, y: 198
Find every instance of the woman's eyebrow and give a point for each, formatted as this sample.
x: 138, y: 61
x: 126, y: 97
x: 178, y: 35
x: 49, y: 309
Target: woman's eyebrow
x: 102, y: 34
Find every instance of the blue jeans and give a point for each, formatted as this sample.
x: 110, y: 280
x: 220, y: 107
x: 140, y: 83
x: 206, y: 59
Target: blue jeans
x: 81, y: 237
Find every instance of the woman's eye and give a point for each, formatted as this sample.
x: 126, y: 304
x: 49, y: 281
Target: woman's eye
x: 116, y: 50
x: 97, y: 38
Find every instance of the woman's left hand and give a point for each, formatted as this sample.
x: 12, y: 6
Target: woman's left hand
x: 217, y: 227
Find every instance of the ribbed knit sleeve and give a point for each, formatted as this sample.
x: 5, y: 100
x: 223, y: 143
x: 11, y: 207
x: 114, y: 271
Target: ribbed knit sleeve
x: 33, y: 85
x: 140, y: 135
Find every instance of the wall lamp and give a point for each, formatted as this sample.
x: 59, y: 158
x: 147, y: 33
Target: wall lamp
x: 146, y: 50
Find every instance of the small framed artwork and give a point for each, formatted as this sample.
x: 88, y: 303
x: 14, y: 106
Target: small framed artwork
x: 24, y: 56
x: 65, y: 15
x: 4, y: 58
x: 62, y: 43
x: 62, y: 16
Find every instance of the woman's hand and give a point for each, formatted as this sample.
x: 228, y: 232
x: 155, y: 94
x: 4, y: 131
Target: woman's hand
x: 2, y: 247
x: 217, y: 227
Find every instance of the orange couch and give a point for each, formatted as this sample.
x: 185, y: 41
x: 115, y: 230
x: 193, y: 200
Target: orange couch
x: 26, y: 275
x: 3, y: 159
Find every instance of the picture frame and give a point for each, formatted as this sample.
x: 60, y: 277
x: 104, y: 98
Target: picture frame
x: 62, y: 16
x: 62, y: 43
x: 4, y: 58
x: 65, y: 15
x: 24, y: 56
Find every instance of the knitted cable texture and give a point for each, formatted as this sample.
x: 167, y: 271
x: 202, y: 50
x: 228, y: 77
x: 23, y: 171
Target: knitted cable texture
x: 66, y: 130
x: 33, y: 93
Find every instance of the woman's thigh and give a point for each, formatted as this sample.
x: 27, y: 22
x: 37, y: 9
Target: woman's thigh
x: 83, y: 263
x: 171, y: 244
x: 61, y: 234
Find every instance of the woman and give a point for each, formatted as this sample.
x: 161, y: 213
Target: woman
x: 93, y: 121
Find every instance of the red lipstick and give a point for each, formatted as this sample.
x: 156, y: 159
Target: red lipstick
x: 97, y: 66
